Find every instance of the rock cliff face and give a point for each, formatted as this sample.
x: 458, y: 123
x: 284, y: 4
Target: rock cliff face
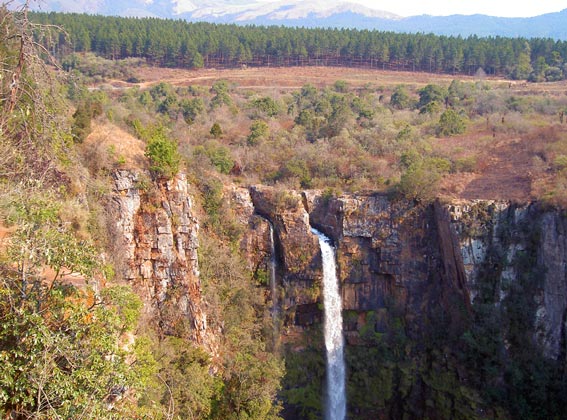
x: 420, y: 258
x: 298, y: 252
x: 414, y: 281
x: 156, y: 245
x: 390, y: 253
x: 509, y: 250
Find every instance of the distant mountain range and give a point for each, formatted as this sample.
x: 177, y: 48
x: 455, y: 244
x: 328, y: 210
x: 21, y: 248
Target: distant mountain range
x: 318, y: 13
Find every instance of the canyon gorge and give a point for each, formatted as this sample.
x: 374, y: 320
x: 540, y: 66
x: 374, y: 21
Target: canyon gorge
x: 430, y: 292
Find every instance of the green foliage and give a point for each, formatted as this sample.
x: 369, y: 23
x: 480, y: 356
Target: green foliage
x: 211, y: 190
x: 259, y: 130
x: 324, y: 114
x: 400, y: 98
x: 85, y: 112
x: 40, y: 241
x: 218, y: 154
x: 191, y: 109
x: 465, y: 164
x: 251, y: 376
x: 304, y: 381
x: 420, y: 181
x: 362, y: 108
x: 266, y: 106
x: 197, y: 61
x: 560, y: 162
x: 59, y: 345
x: 451, y: 123
x: 431, y: 98
x: 297, y: 168
x: 221, y: 91
x: 163, y: 155
x: 341, y: 86
x: 125, y: 303
x: 181, y: 384
x: 93, y: 67
x: 216, y: 130
x: 197, y: 44
x: 523, y: 68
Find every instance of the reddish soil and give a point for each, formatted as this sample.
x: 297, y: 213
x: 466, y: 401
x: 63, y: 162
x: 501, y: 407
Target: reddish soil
x: 287, y: 77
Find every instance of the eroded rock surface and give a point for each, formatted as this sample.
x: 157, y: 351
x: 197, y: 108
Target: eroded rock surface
x: 156, y: 243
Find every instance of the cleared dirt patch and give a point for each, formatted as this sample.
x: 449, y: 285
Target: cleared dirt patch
x: 287, y: 77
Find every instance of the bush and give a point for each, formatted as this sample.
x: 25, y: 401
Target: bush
x: 431, y: 93
x: 400, y: 98
x: 219, y: 155
x: 421, y: 179
x: 267, y: 106
x: 216, y: 130
x: 163, y: 155
x: 258, y: 131
x: 451, y: 123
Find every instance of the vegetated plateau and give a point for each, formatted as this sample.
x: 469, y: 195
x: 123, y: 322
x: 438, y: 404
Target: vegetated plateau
x: 134, y: 275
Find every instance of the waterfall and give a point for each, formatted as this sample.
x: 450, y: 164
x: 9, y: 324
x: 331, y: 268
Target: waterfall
x: 334, y: 341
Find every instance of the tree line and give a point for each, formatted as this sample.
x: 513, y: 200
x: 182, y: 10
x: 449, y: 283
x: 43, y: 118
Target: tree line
x: 178, y: 43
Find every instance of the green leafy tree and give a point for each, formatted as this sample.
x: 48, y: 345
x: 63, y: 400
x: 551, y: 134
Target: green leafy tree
x: 197, y: 61
x: 431, y: 98
x: 400, y: 98
x: 221, y: 96
x: 163, y: 155
x: 523, y: 68
x: 266, y: 106
x: 191, y: 109
x: 259, y: 130
x: 60, y: 347
x: 451, y: 123
x: 216, y: 130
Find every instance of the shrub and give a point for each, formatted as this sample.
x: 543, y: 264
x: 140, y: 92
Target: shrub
x: 431, y: 93
x: 451, y: 123
x: 341, y: 86
x: 163, y: 155
x: 216, y: 130
x: 191, y: 108
x: 560, y: 162
x: 219, y: 155
x: 258, y: 131
x: 400, y: 99
x: 421, y: 179
x: 267, y: 106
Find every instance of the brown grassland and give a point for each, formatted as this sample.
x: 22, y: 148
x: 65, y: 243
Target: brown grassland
x: 513, y: 153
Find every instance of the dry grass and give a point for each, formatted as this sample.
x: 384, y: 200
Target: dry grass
x: 110, y: 146
x: 512, y: 153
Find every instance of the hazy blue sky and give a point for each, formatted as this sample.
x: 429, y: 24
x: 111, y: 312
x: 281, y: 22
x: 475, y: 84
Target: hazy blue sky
x: 516, y: 8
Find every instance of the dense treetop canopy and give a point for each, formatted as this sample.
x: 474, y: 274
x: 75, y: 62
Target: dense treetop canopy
x: 179, y: 43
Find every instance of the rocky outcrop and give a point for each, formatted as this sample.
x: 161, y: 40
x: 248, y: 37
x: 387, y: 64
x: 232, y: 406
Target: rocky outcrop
x: 510, y: 251
x: 423, y: 259
x: 255, y: 243
x: 156, y: 244
x: 392, y: 254
x: 298, y: 254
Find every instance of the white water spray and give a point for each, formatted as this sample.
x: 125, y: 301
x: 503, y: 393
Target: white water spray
x: 334, y: 341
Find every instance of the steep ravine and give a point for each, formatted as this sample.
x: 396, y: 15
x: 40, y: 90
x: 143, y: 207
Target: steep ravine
x: 417, y: 279
x: 440, y: 302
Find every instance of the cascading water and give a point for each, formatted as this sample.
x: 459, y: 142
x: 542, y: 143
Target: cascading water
x: 334, y: 341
